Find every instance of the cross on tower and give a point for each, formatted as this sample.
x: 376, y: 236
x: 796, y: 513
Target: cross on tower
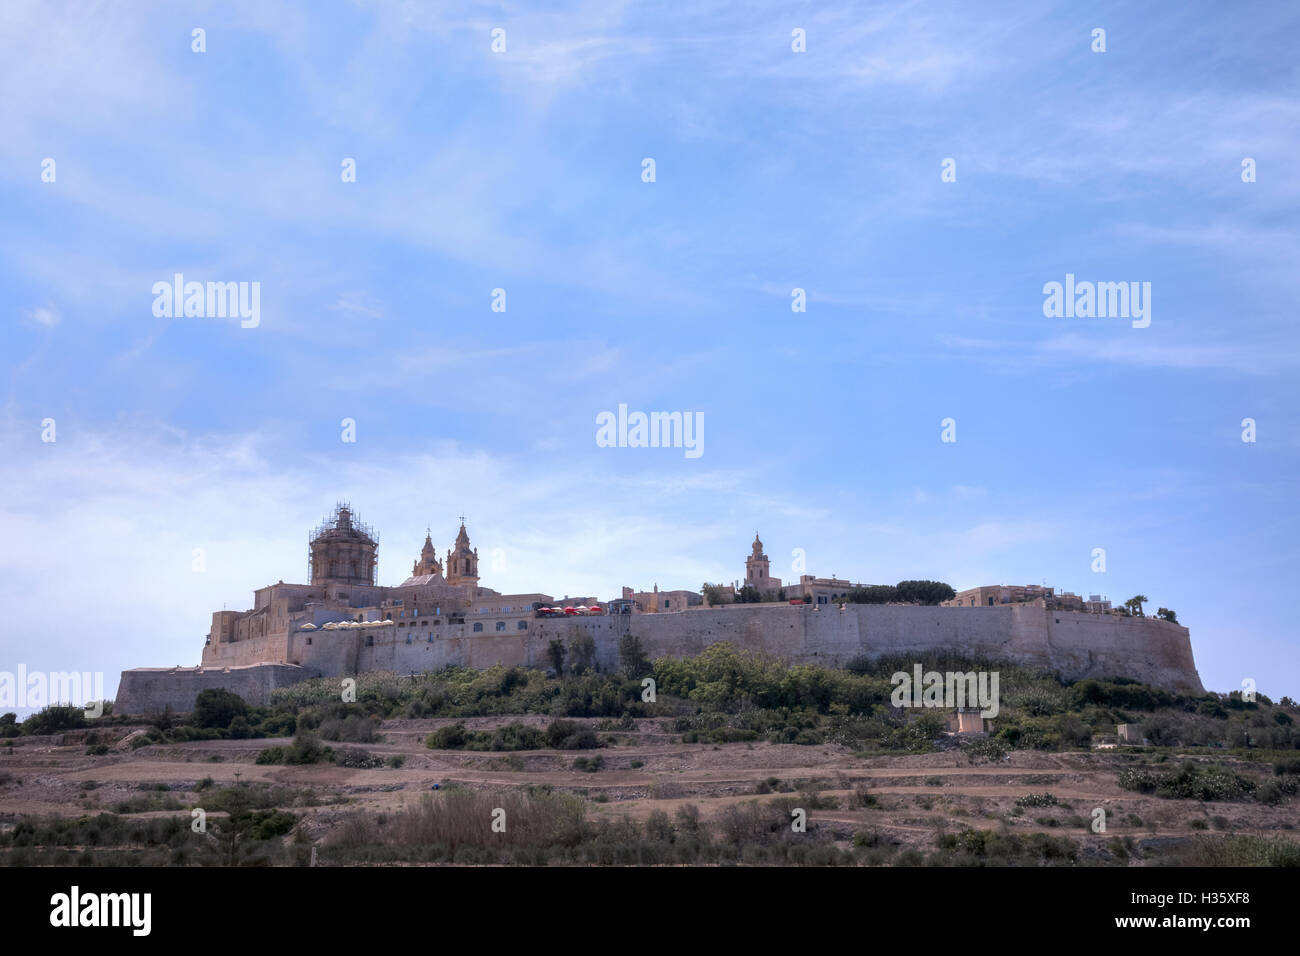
x: 462, y: 519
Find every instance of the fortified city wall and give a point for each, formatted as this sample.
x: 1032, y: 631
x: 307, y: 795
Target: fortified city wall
x: 1075, y: 644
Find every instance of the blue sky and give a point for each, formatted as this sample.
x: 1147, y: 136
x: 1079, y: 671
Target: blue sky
x: 522, y: 170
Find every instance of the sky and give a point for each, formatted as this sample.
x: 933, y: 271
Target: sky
x: 192, y: 455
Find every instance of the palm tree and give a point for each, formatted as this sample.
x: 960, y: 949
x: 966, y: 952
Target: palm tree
x: 1134, y: 604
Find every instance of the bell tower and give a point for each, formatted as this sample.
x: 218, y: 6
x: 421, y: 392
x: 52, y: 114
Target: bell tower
x: 462, y: 561
x: 758, y: 570
x: 757, y: 567
x: 428, y: 563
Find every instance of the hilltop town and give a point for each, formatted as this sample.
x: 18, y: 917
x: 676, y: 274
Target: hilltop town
x: 343, y: 622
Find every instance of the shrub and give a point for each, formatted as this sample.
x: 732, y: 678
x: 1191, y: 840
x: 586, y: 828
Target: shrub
x: 55, y: 719
x: 272, y: 755
x: 217, y: 707
x: 1037, y: 800
x: 1188, y: 782
x: 451, y: 737
x: 354, y: 729
x: 357, y: 759
x: 305, y: 749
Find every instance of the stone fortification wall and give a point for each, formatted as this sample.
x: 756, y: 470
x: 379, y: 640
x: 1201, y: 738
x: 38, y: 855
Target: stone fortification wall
x: 150, y: 690
x: 1076, y: 644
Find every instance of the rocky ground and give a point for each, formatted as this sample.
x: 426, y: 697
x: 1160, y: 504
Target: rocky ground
x: 906, y: 798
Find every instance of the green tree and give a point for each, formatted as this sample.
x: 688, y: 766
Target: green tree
x: 748, y: 595
x: 555, y: 652
x: 632, y: 658
x: 216, y: 707
x: 1134, y: 605
x: 715, y: 595
x: 55, y: 719
x: 872, y: 594
x: 582, y: 653
x: 1167, y: 615
x: 924, y: 592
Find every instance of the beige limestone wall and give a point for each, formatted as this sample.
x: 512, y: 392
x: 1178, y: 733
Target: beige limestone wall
x: 1076, y: 644
x: 148, y: 690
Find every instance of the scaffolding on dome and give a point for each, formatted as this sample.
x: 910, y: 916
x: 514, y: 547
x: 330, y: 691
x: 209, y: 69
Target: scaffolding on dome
x: 342, y: 522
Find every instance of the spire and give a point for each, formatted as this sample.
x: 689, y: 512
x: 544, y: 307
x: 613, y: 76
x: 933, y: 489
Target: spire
x: 428, y: 563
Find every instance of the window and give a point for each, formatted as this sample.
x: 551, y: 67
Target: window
x: 523, y: 626
x: 430, y: 637
x: 309, y: 640
x: 990, y: 602
x: 408, y: 638
x: 478, y: 626
x: 370, y: 640
x: 501, y: 625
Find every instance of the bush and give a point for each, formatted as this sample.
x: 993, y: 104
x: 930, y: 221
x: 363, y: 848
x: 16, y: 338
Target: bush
x: 570, y: 735
x: 353, y: 728
x: 1188, y: 782
x: 217, y: 707
x: 271, y: 755
x: 1037, y: 800
x: 305, y: 749
x: 451, y: 737
x: 54, y: 720
x: 355, y: 758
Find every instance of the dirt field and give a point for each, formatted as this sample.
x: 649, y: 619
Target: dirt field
x: 913, y: 795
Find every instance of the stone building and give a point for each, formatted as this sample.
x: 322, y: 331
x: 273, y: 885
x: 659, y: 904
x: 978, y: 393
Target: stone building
x: 998, y: 594
x: 658, y: 602
x: 342, y: 591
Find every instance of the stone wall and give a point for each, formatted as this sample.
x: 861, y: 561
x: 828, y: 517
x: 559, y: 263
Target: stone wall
x: 149, y: 690
x: 1076, y: 644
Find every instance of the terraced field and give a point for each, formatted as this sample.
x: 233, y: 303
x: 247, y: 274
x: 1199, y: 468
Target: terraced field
x: 905, y: 801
